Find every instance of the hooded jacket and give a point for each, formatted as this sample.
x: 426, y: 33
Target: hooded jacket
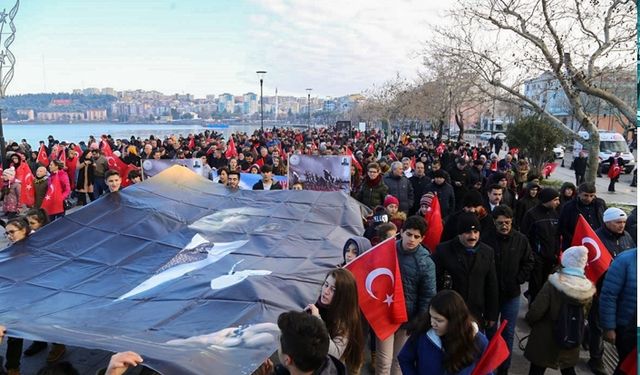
x: 618, y: 294
x: 540, y: 225
x: 362, y: 245
x: 542, y: 348
x: 372, y: 192
x: 418, y: 279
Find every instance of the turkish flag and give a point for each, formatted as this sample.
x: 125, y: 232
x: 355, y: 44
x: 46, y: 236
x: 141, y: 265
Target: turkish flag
x: 123, y: 168
x: 413, y: 162
x: 192, y: 143
x: 42, y: 156
x: 62, y: 155
x: 393, y: 156
x: 433, y: 217
x: 283, y: 155
x: 495, y: 353
x: 24, y: 175
x: 599, y: 257
x: 440, y: 148
x: 629, y: 364
x: 371, y: 148
x: 354, y: 161
x: 549, y: 168
x: 106, y: 148
x: 614, y: 170
x: 474, y: 154
x: 52, y: 202
x: 380, y: 293
x: 231, y: 149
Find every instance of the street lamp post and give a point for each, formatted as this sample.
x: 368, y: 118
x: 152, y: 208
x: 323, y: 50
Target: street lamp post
x: 309, y: 108
x: 261, y: 74
x: 7, y: 59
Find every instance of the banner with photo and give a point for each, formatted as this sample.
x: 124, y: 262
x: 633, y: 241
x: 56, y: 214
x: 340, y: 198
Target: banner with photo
x: 321, y: 173
x: 247, y: 180
x: 180, y: 269
x: 151, y: 167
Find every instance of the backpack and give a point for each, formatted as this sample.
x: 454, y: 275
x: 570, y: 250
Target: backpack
x: 568, y: 328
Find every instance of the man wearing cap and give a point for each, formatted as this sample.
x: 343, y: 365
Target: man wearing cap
x: 267, y: 182
x: 446, y: 196
x: 540, y: 225
x: 472, y: 202
x: 514, y: 263
x: 591, y: 207
x: 466, y: 265
x: 616, y: 240
x: 419, y: 182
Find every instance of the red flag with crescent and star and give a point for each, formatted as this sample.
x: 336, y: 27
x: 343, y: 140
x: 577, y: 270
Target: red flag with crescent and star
x: 52, y: 202
x: 27, y: 195
x: 433, y: 217
x: 495, y: 353
x: 629, y: 364
x: 599, y: 257
x: 232, y: 151
x: 43, y: 159
x: 614, y: 170
x: 354, y: 161
x: 380, y: 292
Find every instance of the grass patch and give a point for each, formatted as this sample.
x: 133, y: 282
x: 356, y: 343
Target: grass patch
x: 624, y: 207
x: 550, y: 182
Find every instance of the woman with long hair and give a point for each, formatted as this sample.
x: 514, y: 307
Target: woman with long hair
x: 16, y: 230
x: 279, y: 169
x: 86, y: 174
x: 338, y: 308
x: 445, y: 341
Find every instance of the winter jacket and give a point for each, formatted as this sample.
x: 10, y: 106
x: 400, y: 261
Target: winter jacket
x: 401, y: 188
x: 463, y: 177
x: 275, y: 185
x: 86, y: 174
x: 419, y: 185
x: 569, y: 217
x: 580, y: 165
x: 362, y: 244
x: 618, y: 294
x: 446, y: 197
x: 11, y: 196
x: 632, y: 225
x: 540, y: 225
x: 514, y: 262
x: 615, y: 243
x: 423, y: 355
x: 473, y: 275
x: 418, y: 279
x: 542, y: 348
x: 523, y: 205
x: 372, y: 192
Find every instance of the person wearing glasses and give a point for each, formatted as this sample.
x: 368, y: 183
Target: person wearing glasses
x: 16, y: 230
x: 514, y: 263
x: 373, y: 190
x: 419, y: 285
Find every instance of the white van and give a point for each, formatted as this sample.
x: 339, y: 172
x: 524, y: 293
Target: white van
x: 610, y: 143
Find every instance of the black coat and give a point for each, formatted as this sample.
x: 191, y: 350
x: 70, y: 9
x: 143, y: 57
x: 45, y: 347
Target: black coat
x: 615, y: 243
x: 580, y: 165
x: 514, y: 261
x: 569, y: 217
x: 463, y: 178
x: 446, y: 197
x: 473, y: 275
x: 419, y: 185
x: 401, y: 188
x: 275, y: 185
x: 540, y: 225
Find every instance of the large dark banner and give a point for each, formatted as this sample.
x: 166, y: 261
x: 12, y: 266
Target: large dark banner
x: 177, y: 268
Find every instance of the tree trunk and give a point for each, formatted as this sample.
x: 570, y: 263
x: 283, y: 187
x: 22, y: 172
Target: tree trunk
x: 460, y: 123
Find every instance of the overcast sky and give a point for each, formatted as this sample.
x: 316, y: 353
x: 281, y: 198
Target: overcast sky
x: 204, y: 47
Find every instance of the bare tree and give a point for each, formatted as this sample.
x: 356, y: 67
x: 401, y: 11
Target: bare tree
x: 506, y: 42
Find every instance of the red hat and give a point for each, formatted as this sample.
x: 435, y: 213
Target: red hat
x: 390, y: 199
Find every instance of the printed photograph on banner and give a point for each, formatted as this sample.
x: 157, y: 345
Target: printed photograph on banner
x: 321, y: 173
x: 151, y: 167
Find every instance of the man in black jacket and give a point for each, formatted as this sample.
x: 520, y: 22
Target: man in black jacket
x: 514, y: 263
x: 591, y: 207
x: 540, y: 225
x: 419, y: 182
x: 472, y: 203
x: 460, y: 180
x: 466, y: 265
x: 446, y: 196
x: 580, y: 167
x: 267, y: 182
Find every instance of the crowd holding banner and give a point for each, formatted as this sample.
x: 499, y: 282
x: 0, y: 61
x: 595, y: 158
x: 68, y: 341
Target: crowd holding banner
x: 473, y: 225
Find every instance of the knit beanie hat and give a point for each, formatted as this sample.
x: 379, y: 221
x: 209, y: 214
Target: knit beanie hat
x: 547, y: 195
x: 390, y: 199
x: 467, y: 222
x: 472, y: 199
x: 613, y: 214
x: 574, y: 259
x: 10, y: 173
x: 439, y: 173
x: 426, y: 199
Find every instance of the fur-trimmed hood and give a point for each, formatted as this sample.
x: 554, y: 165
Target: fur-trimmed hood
x: 573, y: 286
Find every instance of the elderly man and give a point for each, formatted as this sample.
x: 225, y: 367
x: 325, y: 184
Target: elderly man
x: 399, y: 186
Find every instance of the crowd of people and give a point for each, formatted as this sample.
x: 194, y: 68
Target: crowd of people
x: 502, y: 228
